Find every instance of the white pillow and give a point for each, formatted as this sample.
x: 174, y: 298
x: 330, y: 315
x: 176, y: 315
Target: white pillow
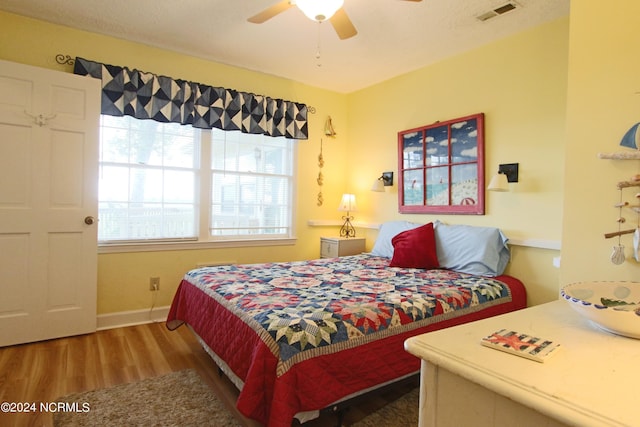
x: 388, y: 231
x: 482, y: 251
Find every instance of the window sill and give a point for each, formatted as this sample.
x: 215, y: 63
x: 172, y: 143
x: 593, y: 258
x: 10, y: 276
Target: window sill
x: 190, y: 245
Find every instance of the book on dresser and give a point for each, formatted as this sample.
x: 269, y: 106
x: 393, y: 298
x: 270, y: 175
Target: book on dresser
x: 520, y: 344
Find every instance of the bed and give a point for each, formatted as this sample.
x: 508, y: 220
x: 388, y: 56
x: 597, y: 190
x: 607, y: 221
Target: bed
x: 296, y: 337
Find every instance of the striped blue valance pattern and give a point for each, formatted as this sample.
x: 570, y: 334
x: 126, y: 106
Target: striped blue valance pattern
x: 148, y: 96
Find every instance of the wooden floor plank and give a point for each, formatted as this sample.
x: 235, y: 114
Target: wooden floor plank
x: 47, y: 370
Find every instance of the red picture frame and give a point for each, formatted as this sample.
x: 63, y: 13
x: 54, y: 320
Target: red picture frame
x: 441, y: 167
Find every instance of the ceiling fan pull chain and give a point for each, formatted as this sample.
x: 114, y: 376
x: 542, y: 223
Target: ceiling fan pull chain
x: 319, y: 64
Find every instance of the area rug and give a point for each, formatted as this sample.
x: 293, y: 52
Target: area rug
x: 401, y: 412
x: 177, y: 399
x: 183, y: 399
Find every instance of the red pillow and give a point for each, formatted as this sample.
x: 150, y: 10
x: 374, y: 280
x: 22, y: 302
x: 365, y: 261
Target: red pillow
x: 415, y: 248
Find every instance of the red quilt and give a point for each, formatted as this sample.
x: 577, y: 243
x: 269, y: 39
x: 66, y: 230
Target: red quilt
x: 302, y: 335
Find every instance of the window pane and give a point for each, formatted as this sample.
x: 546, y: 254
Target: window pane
x: 179, y: 150
x: 260, y: 204
x: 464, y: 188
x: 438, y: 186
x: 133, y: 221
x: 464, y: 141
x: 234, y: 151
x: 437, y: 140
x: 145, y: 185
x: 148, y: 173
x: 412, y: 150
x: 251, y: 185
x: 114, y: 145
x: 413, y: 188
x: 113, y: 184
x: 179, y: 187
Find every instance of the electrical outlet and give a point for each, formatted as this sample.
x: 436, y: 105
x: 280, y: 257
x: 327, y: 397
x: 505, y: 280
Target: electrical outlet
x: 154, y: 283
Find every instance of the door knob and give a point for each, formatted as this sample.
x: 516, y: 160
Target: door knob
x: 89, y: 220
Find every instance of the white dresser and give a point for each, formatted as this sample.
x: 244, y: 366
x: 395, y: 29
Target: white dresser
x: 592, y: 380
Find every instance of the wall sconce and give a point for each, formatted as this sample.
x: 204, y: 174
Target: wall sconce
x: 507, y: 173
x: 347, y: 204
x: 385, y: 180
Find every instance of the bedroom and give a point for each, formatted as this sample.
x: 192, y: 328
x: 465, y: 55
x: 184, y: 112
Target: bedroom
x: 544, y: 131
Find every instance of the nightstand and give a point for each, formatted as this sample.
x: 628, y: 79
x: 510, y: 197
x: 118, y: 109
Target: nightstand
x: 331, y: 247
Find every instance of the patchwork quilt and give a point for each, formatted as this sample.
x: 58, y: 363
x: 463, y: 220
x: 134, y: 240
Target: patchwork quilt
x: 301, y: 335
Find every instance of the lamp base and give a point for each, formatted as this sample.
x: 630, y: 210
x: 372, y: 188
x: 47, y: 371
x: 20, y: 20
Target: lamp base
x: 347, y: 229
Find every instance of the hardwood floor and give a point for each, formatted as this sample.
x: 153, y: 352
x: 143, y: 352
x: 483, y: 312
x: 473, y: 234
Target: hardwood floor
x: 45, y: 371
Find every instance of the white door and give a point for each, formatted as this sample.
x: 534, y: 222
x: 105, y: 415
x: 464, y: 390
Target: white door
x: 49, y: 124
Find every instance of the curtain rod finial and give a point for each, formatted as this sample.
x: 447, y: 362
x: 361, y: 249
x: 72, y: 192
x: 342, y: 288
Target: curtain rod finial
x: 64, y: 59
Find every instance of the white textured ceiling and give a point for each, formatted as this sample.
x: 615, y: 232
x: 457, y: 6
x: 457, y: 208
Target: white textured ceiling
x: 394, y: 36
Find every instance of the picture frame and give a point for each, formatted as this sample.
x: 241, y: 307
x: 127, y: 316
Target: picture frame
x: 441, y: 167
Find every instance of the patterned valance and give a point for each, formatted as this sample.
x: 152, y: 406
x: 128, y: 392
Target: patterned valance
x: 148, y: 96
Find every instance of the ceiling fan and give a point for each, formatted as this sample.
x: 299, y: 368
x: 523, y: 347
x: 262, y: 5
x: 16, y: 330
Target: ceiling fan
x: 316, y: 10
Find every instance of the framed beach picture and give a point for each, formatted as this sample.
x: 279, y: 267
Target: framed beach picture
x: 441, y: 167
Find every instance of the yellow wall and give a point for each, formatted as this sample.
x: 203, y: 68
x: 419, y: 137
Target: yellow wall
x: 603, y: 102
x: 123, y: 279
x: 519, y: 83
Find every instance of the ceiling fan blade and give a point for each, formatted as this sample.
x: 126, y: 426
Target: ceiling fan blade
x: 270, y: 12
x: 343, y: 25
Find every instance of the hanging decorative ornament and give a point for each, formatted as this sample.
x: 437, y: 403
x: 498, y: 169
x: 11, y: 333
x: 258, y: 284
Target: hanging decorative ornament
x: 328, y: 128
x: 617, y: 256
x: 320, y: 179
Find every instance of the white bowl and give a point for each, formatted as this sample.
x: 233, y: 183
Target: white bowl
x: 613, y: 306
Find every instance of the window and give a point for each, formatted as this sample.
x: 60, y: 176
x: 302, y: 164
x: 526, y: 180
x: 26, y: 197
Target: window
x: 252, y: 185
x: 441, y: 167
x: 167, y: 182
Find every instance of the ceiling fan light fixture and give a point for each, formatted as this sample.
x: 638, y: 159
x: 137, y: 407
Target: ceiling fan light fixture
x: 319, y: 10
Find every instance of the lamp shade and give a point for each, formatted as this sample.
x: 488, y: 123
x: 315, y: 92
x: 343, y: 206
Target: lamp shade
x: 378, y: 186
x: 319, y: 10
x: 348, y: 203
x: 499, y: 183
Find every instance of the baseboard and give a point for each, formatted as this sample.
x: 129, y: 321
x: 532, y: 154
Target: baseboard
x: 133, y: 317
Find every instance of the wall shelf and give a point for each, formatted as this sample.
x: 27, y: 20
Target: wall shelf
x: 623, y: 155
x: 626, y: 184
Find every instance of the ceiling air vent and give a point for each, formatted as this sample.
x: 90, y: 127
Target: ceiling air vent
x: 508, y: 7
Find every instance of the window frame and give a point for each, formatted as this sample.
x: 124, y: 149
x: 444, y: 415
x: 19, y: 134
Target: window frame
x: 422, y: 169
x: 211, y: 170
x: 203, y: 192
